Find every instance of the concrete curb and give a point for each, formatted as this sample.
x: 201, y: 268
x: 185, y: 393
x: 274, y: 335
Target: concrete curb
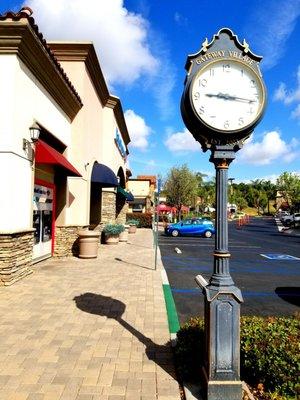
x: 190, y: 390
x: 169, y: 301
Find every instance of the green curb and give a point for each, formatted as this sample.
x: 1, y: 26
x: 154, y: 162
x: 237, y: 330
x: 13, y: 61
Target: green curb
x: 171, y: 310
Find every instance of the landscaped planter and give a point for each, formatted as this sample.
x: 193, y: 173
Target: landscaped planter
x: 123, y: 237
x: 132, y: 229
x: 112, y: 232
x: 133, y: 223
x: 112, y: 239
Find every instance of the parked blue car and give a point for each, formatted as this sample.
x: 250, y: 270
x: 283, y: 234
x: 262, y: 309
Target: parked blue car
x: 192, y: 226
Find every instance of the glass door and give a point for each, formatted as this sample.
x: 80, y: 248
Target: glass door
x: 43, y: 221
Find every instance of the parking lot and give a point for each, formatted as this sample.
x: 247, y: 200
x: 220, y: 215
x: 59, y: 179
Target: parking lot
x: 265, y: 265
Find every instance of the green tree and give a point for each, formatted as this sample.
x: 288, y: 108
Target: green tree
x: 181, y: 186
x: 206, y: 192
x: 288, y: 183
x: 238, y: 199
x: 270, y: 191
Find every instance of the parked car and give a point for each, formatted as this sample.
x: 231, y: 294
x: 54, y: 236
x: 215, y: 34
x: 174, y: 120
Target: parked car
x: 281, y: 214
x: 191, y: 226
x: 291, y: 218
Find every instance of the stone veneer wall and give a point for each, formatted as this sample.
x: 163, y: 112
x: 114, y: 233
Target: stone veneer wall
x: 121, y: 217
x: 15, y: 256
x: 108, y: 212
x: 66, y: 240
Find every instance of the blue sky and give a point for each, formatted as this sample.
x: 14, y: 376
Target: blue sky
x: 142, y: 46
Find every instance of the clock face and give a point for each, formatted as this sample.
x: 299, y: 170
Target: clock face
x: 227, y: 95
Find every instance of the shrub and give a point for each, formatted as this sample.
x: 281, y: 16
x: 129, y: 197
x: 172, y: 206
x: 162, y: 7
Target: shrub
x: 269, y: 352
x: 133, y: 222
x: 144, y: 219
x: 189, y: 351
x: 113, y: 229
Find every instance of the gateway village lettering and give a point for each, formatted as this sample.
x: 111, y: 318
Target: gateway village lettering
x: 223, y: 54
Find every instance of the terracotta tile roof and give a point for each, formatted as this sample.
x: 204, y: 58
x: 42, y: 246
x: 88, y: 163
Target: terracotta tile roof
x: 26, y: 12
x: 151, y: 178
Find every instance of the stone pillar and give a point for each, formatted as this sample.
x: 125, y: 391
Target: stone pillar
x: 15, y: 256
x: 108, y: 211
x: 122, y: 210
x: 66, y: 240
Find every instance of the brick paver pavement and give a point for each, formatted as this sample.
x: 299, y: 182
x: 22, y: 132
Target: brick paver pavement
x: 88, y: 329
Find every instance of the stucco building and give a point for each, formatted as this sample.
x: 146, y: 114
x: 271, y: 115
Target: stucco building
x: 143, y: 190
x: 74, y: 176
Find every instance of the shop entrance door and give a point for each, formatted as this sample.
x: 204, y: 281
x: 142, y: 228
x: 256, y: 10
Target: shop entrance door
x: 43, y: 221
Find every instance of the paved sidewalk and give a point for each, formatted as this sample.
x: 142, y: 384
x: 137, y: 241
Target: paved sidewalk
x: 88, y: 329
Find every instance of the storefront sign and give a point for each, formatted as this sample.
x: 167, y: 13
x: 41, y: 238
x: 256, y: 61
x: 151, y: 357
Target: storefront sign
x: 120, y: 144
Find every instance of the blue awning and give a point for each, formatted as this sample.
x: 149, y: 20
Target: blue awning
x: 130, y: 197
x: 123, y: 192
x: 104, y: 176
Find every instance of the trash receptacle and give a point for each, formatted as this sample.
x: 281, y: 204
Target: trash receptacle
x: 88, y: 243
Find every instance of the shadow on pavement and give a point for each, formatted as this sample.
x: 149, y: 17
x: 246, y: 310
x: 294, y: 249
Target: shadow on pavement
x: 130, y: 263
x: 289, y: 294
x: 111, y: 308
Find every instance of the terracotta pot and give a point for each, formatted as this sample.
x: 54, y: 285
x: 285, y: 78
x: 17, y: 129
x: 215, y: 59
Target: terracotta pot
x: 112, y: 239
x: 88, y: 243
x: 132, y: 229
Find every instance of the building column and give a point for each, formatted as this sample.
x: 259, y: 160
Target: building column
x: 15, y: 256
x: 108, y: 209
x: 121, y: 210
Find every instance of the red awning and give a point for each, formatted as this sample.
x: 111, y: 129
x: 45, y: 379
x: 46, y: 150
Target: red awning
x: 45, y: 154
x: 163, y: 208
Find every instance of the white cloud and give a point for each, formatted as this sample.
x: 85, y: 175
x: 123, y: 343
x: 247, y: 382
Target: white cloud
x: 129, y: 51
x: 289, y: 96
x: 180, y: 19
x: 296, y: 113
x: 162, y: 87
x: 272, y: 178
x: 138, y: 130
x: 270, y: 27
x: 181, y: 142
x: 120, y: 37
x: 269, y: 149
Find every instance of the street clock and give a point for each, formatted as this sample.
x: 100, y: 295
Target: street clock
x: 224, y: 95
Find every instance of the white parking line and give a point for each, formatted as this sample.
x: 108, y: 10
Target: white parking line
x: 280, y: 226
x: 206, y: 245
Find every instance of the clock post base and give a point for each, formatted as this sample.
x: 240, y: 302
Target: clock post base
x: 215, y: 390
x: 222, y: 366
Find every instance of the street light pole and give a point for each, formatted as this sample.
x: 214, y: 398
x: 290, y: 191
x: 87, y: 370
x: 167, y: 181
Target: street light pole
x: 231, y: 188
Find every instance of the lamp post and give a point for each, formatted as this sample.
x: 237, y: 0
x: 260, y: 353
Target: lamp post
x: 223, y: 100
x: 34, y: 132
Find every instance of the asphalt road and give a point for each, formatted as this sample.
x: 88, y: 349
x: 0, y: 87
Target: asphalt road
x: 269, y: 286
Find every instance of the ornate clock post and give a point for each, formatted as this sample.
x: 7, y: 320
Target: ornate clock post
x: 223, y: 100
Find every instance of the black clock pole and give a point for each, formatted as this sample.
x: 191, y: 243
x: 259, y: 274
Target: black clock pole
x: 222, y: 299
x: 225, y: 70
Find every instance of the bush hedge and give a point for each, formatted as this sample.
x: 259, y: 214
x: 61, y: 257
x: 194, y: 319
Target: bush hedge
x: 145, y: 219
x: 269, y: 352
x: 113, y: 229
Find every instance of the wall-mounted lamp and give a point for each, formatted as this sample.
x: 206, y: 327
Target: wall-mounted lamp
x: 35, y: 131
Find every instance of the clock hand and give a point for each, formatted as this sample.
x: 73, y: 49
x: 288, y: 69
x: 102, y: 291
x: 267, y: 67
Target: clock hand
x: 226, y: 96
x: 220, y: 95
x: 242, y: 99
